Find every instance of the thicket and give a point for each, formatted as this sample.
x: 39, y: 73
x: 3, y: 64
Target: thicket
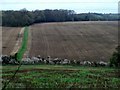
x: 25, y: 18
x: 115, y: 59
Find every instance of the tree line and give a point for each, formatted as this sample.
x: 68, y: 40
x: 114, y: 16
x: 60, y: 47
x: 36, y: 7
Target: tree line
x: 24, y: 17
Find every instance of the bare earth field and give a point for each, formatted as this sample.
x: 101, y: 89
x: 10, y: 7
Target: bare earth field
x: 74, y: 40
x: 9, y: 39
x: 93, y: 41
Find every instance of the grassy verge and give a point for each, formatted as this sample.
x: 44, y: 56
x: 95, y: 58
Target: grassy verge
x: 59, y: 76
x: 23, y: 47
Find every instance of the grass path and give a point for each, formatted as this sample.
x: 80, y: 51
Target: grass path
x: 26, y: 54
x: 23, y: 47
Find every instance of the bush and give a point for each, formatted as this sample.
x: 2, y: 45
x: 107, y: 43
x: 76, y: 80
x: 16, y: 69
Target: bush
x: 115, y: 59
x: 5, y: 59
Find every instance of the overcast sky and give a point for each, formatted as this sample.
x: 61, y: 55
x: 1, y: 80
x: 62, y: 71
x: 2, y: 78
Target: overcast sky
x: 80, y: 6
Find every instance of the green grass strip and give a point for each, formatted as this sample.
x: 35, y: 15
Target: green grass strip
x: 23, y: 47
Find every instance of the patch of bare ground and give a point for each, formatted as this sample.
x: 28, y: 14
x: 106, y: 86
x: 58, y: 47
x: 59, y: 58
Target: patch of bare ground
x: 18, y: 42
x: 93, y: 40
x: 9, y: 39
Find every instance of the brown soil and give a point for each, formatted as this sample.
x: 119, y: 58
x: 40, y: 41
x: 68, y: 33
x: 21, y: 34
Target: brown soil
x: 91, y: 41
x: 9, y: 39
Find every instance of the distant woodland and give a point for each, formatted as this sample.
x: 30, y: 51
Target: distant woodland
x: 24, y: 17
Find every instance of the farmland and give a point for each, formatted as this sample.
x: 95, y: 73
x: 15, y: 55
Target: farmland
x: 59, y: 76
x: 92, y: 41
x: 9, y: 38
x: 72, y: 40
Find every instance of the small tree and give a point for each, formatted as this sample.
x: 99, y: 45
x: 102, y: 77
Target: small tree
x: 115, y: 59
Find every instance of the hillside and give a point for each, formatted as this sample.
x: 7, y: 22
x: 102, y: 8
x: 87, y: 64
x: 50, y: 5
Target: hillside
x: 90, y: 40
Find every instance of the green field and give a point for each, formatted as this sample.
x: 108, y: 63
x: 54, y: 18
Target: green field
x: 61, y: 76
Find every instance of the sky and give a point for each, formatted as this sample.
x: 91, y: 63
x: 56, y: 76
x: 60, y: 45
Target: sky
x: 79, y: 6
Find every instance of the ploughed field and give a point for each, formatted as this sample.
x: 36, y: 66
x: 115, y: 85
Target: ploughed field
x: 9, y: 38
x: 91, y: 41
